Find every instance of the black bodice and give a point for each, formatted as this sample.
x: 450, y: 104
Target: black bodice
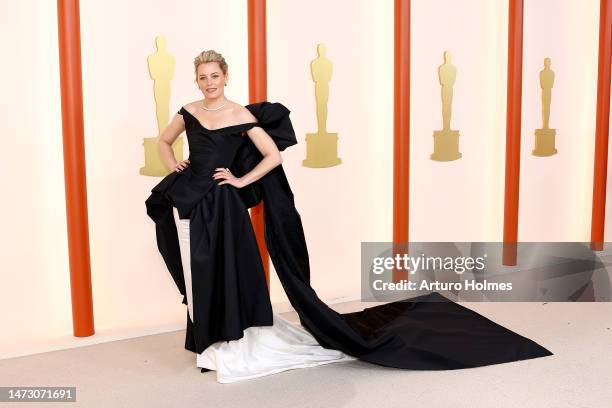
x: 209, y: 149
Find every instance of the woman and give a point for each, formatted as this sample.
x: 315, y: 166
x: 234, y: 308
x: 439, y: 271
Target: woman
x: 207, y: 242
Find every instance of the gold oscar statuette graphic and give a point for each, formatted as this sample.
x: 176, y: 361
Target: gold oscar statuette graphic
x: 545, y: 137
x: 446, y: 141
x: 321, y: 147
x: 161, y: 70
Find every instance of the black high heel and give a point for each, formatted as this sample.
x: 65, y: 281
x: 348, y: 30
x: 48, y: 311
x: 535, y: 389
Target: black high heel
x: 204, y: 370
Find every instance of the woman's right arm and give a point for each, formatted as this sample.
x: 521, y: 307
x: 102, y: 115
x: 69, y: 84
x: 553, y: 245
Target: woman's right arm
x: 165, y: 140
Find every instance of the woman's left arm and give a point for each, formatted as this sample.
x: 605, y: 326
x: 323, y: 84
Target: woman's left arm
x: 271, y: 159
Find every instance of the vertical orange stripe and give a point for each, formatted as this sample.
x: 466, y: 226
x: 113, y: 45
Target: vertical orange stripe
x: 401, y: 129
x: 602, y: 123
x: 258, y: 91
x: 513, y: 130
x: 74, y: 166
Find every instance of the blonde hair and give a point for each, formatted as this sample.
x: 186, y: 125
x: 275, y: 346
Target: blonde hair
x: 210, y: 56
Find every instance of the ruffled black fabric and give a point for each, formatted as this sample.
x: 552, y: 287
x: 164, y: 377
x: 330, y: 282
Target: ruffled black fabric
x: 428, y: 332
x: 274, y: 119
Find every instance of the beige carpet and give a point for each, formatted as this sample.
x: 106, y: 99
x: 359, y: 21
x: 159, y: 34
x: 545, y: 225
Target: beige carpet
x: 156, y: 371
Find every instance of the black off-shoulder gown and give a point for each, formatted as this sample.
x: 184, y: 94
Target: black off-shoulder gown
x: 230, y: 294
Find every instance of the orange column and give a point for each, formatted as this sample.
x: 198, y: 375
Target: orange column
x: 401, y: 129
x: 74, y: 166
x: 258, y: 91
x: 602, y: 124
x: 513, y: 130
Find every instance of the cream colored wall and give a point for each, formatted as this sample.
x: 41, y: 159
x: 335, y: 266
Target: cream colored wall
x: 556, y: 191
x: 340, y: 206
x: 343, y: 205
x: 35, y: 291
x: 460, y: 200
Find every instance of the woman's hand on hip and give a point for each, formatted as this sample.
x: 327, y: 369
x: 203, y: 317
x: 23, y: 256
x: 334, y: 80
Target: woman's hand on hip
x: 181, y: 165
x: 223, y: 173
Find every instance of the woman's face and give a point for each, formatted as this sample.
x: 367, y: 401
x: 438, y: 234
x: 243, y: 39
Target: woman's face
x: 211, y: 79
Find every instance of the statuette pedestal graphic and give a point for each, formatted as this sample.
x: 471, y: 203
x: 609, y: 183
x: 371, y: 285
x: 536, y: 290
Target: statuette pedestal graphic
x: 321, y: 150
x: 446, y: 145
x: 544, y: 142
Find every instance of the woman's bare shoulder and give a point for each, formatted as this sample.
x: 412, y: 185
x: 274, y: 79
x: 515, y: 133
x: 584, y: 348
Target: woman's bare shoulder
x: 242, y: 114
x: 191, y: 107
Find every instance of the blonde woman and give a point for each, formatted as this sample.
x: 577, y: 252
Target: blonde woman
x: 206, y: 239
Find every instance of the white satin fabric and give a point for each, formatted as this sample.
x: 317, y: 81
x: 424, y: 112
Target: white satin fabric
x: 263, y: 350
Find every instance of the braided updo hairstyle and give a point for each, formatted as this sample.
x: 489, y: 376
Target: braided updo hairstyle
x: 210, y: 56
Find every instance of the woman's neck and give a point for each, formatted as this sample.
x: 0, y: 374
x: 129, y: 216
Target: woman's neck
x: 214, y: 102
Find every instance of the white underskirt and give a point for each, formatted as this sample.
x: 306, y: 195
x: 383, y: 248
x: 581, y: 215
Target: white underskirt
x: 263, y: 350
x: 267, y: 350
